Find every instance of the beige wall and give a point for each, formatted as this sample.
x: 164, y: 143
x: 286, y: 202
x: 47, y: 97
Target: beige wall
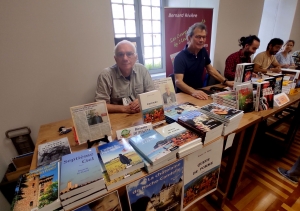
x: 236, y: 18
x: 295, y: 32
x: 50, y: 56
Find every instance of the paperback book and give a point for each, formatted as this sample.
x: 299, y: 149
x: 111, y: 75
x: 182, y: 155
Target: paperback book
x: 53, y: 151
x: 201, y: 172
x: 109, y: 202
x: 161, y: 190
x: 173, y: 112
x: 133, y: 131
x: 208, y: 127
x: 278, y: 82
x: 243, y: 73
x: 222, y: 113
x: 119, y: 158
x: 80, y: 171
x: 244, y: 94
x: 153, y: 147
x: 180, y: 136
x: 167, y: 91
x: 38, y: 189
x: 264, y: 95
x: 91, y: 121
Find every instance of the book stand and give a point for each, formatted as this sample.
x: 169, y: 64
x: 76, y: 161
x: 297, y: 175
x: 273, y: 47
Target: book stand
x: 91, y: 143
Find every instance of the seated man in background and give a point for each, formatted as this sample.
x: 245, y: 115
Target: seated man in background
x: 123, y: 81
x: 250, y: 44
x: 190, y: 64
x: 264, y: 60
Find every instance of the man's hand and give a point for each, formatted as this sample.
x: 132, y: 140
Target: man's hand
x: 229, y: 83
x: 285, y: 66
x: 199, y: 95
x: 135, y: 106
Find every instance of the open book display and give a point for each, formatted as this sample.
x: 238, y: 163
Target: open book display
x: 91, y: 121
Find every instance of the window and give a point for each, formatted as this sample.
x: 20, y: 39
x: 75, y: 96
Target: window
x: 31, y: 204
x: 141, y: 18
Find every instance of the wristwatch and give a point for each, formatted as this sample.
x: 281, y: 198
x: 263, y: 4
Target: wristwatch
x: 224, y: 82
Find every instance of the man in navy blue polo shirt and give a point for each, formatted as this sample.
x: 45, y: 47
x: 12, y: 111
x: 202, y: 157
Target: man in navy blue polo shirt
x: 189, y: 64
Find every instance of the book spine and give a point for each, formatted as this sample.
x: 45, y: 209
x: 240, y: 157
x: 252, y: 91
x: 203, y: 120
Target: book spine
x: 257, y: 97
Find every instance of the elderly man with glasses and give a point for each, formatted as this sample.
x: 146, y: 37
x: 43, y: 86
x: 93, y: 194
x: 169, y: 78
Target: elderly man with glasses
x: 120, y: 84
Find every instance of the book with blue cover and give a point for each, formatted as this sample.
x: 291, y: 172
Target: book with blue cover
x: 43, y: 182
x: 80, y: 171
x: 119, y: 158
x: 161, y: 190
x: 153, y: 147
x: 173, y: 112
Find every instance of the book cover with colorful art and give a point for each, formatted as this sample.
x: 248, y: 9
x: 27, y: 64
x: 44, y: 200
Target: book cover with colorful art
x: 161, y: 190
x: 38, y: 189
x: 222, y: 113
x: 109, y: 202
x: 153, y: 147
x: 53, y: 151
x: 179, y: 135
x: 119, y: 158
x: 243, y: 73
x: 173, y: 112
x: 80, y: 171
x: 244, y: 94
x: 152, y: 107
x: 201, y: 172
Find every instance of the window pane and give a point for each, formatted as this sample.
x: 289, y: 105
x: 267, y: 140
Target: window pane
x: 146, y: 2
x: 117, y: 10
x: 156, y: 26
x: 147, y: 39
x: 146, y: 12
x: 147, y: 27
x: 156, y: 13
x: 128, y: 1
x: 120, y: 35
x: 130, y: 26
x: 129, y: 11
x: 119, y: 26
x: 157, y: 51
x: 116, y: 1
x: 148, y: 52
x: 156, y: 39
x: 149, y: 63
x: 157, y: 63
x: 155, y: 2
x: 131, y: 35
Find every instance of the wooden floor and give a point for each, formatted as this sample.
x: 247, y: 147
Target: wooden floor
x: 262, y: 188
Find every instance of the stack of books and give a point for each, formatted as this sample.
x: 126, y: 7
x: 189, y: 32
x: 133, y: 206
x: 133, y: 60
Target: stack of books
x: 120, y: 162
x: 154, y: 148
x: 229, y: 116
x: 81, y: 178
x: 173, y: 112
x: 206, y: 126
x: 187, y: 141
x: 226, y: 98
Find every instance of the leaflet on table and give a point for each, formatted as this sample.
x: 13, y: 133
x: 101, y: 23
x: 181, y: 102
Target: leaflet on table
x: 133, y: 131
x: 91, y: 121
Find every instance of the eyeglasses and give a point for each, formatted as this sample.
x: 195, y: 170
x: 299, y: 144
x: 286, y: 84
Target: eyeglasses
x: 128, y: 54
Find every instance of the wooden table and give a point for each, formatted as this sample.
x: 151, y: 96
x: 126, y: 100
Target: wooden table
x: 236, y: 161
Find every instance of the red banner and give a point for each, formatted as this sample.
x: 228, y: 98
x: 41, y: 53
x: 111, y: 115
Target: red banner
x: 177, y: 22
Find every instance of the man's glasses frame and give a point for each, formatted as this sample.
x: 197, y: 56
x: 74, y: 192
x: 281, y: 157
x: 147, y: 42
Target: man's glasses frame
x: 128, y: 54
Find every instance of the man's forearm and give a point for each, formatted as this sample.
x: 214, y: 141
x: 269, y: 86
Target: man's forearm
x: 217, y: 75
x: 260, y: 70
x: 184, y: 87
x: 111, y: 108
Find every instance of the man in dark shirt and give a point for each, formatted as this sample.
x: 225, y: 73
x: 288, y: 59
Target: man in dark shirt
x: 250, y: 44
x: 190, y: 64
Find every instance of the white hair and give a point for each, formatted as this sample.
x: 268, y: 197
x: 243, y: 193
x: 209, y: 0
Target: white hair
x: 124, y: 42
